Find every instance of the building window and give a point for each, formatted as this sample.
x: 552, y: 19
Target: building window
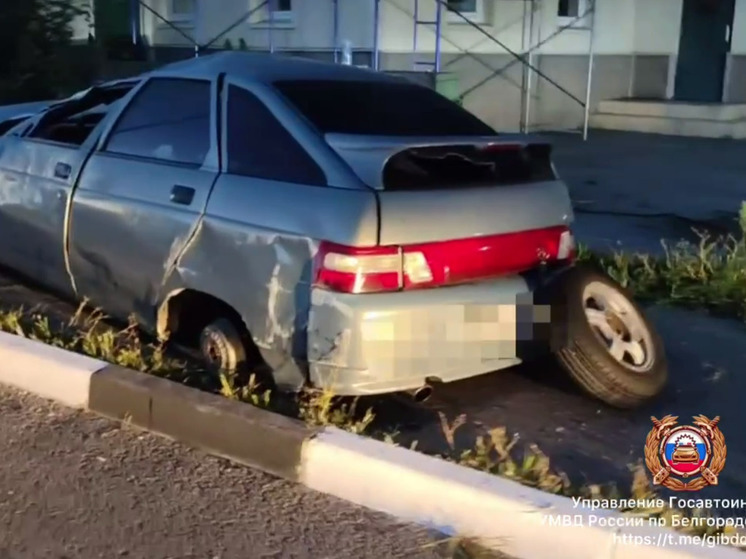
x: 570, y: 10
x: 281, y: 10
x: 472, y: 9
x: 180, y: 10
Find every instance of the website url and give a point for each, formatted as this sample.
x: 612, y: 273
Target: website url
x: 671, y: 540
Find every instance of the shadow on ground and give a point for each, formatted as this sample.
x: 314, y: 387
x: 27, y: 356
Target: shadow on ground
x: 584, y: 438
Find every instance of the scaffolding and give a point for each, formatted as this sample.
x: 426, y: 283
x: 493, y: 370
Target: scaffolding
x: 530, y: 46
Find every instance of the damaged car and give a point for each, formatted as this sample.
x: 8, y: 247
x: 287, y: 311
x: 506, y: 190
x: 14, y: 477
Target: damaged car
x: 329, y: 225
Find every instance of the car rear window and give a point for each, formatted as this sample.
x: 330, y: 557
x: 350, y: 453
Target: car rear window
x: 377, y: 108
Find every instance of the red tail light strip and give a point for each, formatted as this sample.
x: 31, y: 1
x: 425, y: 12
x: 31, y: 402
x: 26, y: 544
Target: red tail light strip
x: 376, y: 269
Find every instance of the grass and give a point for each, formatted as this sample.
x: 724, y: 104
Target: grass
x: 709, y: 275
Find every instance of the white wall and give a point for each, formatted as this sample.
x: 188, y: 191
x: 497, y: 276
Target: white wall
x: 312, y: 25
x: 657, y: 26
x: 508, y: 22
x: 620, y: 27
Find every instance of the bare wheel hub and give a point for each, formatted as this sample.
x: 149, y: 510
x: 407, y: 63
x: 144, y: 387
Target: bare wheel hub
x: 211, y: 351
x: 619, y: 326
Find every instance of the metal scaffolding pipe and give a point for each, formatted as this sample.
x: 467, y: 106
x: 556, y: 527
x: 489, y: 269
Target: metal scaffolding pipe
x: 164, y: 20
x: 335, y: 31
x: 136, y: 31
x: 438, y: 24
x: 514, y: 54
x: 589, y: 84
x: 197, y: 26
x: 529, y: 72
x: 135, y: 21
x: 272, y: 4
x: 376, y: 29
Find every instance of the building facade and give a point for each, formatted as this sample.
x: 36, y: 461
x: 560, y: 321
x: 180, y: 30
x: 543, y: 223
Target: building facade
x: 690, y: 50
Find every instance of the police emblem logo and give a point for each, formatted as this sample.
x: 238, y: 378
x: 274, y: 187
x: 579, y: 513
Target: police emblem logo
x: 685, y: 457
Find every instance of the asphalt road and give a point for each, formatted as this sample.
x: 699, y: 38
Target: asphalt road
x: 75, y: 486
x: 591, y: 442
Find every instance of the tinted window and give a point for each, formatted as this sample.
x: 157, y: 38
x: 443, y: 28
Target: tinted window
x: 380, y: 109
x: 169, y: 120
x: 260, y: 146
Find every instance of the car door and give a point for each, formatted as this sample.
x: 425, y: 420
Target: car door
x: 141, y: 195
x: 38, y: 173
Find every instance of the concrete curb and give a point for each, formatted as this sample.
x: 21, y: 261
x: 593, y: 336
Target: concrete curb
x: 414, y: 487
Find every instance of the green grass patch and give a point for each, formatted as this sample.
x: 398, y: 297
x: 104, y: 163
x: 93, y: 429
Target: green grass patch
x: 710, y: 274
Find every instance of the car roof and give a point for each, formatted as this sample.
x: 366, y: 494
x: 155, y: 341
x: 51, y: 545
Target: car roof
x: 262, y: 67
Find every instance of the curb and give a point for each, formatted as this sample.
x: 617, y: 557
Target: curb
x: 440, y: 495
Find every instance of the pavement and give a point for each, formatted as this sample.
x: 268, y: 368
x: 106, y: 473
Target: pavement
x: 76, y: 485
x: 589, y: 441
x: 630, y: 190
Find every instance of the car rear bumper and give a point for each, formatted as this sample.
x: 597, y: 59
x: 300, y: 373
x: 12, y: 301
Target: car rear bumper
x: 387, y: 342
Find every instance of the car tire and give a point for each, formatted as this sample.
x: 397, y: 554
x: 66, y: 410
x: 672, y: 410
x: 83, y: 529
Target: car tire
x: 222, y: 347
x: 609, y: 348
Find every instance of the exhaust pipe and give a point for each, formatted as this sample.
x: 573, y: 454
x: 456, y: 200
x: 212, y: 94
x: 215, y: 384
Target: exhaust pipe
x: 422, y: 393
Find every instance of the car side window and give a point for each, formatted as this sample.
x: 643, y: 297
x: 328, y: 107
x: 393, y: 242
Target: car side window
x: 73, y: 121
x: 260, y: 146
x: 168, y: 120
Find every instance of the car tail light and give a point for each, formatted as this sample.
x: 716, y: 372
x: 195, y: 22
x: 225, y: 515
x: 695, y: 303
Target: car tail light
x: 567, y: 249
x: 392, y: 268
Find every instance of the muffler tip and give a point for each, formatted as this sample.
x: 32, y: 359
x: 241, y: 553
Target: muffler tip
x: 422, y: 394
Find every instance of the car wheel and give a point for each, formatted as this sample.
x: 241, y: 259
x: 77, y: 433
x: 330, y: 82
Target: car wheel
x: 610, y: 348
x: 222, y: 347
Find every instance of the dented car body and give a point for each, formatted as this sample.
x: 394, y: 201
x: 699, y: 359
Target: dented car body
x: 368, y: 235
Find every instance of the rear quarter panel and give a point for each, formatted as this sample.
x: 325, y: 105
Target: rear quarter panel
x: 254, y: 248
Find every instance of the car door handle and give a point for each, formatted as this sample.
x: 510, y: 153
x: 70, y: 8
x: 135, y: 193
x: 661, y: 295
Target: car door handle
x: 182, y: 195
x: 62, y: 170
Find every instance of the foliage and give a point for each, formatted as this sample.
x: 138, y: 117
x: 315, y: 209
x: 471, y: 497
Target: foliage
x: 709, y: 275
x: 35, y: 39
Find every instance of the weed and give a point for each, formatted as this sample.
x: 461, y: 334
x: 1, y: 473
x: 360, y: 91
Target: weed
x: 323, y: 407
x: 87, y: 332
x: 251, y: 392
x: 709, y: 274
x: 461, y: 547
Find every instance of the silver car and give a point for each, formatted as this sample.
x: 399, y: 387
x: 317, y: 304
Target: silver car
x: 331, y: 225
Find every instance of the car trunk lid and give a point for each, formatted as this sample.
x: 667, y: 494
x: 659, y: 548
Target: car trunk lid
x: 432, y: 189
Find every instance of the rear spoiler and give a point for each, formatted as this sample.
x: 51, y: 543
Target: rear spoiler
x: 369, y: 156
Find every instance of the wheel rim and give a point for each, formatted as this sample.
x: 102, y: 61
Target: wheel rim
x: 619, y: 326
